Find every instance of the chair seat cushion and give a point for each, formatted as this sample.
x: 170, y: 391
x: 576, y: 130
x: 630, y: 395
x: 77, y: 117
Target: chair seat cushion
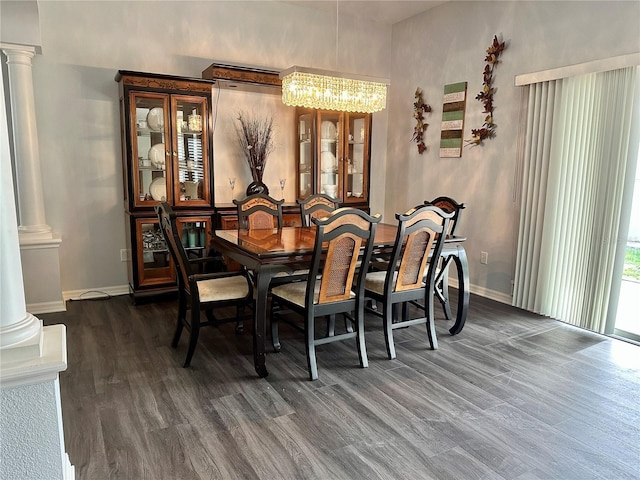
x: 295, y: 293
x: 374, y: 282
x: 224, y: 288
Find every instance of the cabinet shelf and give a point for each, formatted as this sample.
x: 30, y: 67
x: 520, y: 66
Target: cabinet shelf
x: 151, y: 169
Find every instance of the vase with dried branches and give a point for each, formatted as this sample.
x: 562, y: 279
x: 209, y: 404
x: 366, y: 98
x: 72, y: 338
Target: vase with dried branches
x: 255, y: 138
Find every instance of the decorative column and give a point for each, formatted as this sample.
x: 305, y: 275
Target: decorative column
x: 31, y: 357
x: 39, y: 244
x: 23, y: 115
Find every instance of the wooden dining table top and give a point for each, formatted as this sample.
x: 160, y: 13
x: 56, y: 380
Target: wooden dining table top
x: 296, y: 240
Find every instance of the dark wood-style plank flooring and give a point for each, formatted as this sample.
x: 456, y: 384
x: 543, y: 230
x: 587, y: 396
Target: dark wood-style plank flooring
x: 514, y: 396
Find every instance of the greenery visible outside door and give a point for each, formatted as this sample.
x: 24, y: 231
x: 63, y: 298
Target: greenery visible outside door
x: 632, y: 263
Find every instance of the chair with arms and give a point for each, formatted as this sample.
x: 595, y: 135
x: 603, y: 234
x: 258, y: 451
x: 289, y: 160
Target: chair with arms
x: 316, y: 206
x: 411, y: 271
x: 334, y: 284
x: 200, y: 292
x: 259, y: 211
x: 449, y: 205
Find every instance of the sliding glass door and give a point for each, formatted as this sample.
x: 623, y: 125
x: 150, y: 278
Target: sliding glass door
x: 627, y: 318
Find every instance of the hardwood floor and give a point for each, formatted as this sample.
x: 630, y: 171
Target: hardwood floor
x: 514, y: 396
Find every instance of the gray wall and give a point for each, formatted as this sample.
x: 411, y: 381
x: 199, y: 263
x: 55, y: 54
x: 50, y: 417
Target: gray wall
x: 447, y: 45
x: 85, y: 43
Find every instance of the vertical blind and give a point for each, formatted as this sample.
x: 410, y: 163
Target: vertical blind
x: 574, y: 163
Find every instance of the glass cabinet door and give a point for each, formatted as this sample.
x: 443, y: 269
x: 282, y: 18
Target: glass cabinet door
x: 154, y: 264
x: 331, y: 154
x: 356, y: 157
x: 150, y: 124
x: 306, y: 141
x: 189, y: 152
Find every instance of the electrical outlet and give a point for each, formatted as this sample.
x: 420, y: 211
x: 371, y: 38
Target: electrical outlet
x: 484, y: 258
x: 124, y: 255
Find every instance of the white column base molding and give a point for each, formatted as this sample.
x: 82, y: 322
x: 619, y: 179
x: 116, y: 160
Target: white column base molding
x: 41, y: 273
x: 43, y: 368
x: 33, y: 233
x: 21, y: 341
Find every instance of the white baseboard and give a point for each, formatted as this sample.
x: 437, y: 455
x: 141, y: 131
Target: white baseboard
x: 46, y: 307
x: 484, y: 292
x: 69, y: 472
x: 85, y: 294
x: 99, y: 292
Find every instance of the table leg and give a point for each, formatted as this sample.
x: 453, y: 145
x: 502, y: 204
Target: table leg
x: 442, y: 286
x: 263, y: 279
x: 462, y: 266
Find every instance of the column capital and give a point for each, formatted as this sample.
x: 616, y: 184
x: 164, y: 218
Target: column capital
x: 14, y: 51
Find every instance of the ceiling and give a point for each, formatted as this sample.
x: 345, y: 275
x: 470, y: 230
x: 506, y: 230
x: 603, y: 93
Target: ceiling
x: 386, y: 12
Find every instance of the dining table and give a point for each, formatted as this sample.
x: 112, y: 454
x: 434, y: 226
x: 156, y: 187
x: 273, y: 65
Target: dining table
x: 270, y: 252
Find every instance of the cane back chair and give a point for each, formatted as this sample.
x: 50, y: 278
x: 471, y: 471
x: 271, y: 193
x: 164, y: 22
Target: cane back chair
x: 316, y: 206
x: 334, y: 285
x: 449, y: 205
x: 411, y: 271
x: 259, y: 211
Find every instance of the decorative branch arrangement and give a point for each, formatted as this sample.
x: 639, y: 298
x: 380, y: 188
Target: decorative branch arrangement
x: 419, y: 109
x: 488, y: 129
x: 255, y: 138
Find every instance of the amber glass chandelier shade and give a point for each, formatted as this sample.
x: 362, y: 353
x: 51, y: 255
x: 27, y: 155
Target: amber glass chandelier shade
x: 326, y: 90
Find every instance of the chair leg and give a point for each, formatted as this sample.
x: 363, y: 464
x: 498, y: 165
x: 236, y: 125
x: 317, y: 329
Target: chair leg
x: 445, y: 294
x: 331, y: 325
x: 362, y: 349
x: 348, y: 325
x: 239, y: 322
x: 311, y: 347
x: 373, y: 305
x: 182, y: 311
x: 387, y: 319
x: 275, y: 335
x: 431, y: 324
x: 193, y: 338
x: 442, y: 288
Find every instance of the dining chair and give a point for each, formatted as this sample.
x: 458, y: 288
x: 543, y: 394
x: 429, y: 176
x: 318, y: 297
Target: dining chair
x: 318, y: 205
x: 259, y: 211
x: 410, y: 272
x: 201, y: 292
x: 449, y: 205
x: 334, y: 285
x: 262, y: 212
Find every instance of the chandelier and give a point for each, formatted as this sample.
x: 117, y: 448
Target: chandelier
x: 326, y: 90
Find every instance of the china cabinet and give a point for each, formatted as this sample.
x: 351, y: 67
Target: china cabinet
x: 334, y: 155
x: 167, y: 156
